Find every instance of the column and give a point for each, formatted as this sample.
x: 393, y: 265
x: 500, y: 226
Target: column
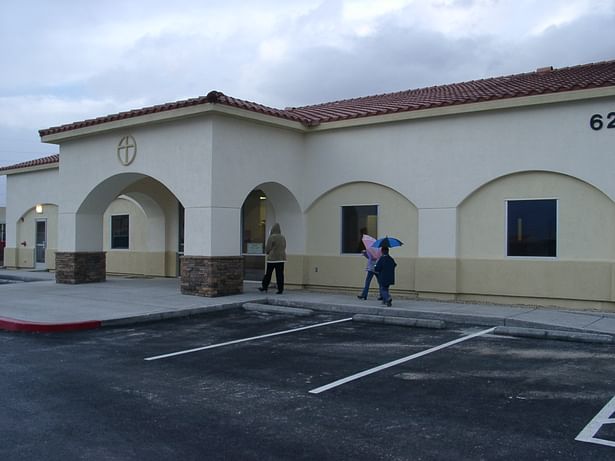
x: 212, y: 264
x: 436, y: 266
x: 80, y: 258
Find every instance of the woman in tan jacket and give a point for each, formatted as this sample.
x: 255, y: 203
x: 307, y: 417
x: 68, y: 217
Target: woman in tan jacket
x: 276, y: 257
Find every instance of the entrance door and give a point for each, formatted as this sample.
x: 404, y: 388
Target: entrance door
x: 253, y: 217
x: 41, y: 243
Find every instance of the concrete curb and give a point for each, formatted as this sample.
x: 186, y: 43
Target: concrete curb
x: 41, y: 327
x: 403, y: 321
x: 157, y: 316
x: 23, y: 278
x: 401, y: 312
x: 257, y: 307
x: 563, y: 335
x: 8, y: 324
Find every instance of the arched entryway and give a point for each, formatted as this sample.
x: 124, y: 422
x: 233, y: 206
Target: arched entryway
x: 128, y: 224
x: 265, y: 205
x: 36, y: 232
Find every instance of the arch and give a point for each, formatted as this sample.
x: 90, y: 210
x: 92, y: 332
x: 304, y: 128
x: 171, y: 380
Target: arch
x: 583, y: 210
x: 324, y: 193
x: 26, y: 235
x: 32, y: 209
x: 154, y: 229
x: 156, y: 236
x: 88, y: 232
x: 520, y: 172
x: 283, y: 208
x: 397, y: 216
x: 101, y: 195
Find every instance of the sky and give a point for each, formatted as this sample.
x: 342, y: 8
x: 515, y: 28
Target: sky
x: 63, y: 61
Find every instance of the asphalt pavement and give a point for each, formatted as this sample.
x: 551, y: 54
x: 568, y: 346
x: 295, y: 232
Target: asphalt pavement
x: 32, y: 301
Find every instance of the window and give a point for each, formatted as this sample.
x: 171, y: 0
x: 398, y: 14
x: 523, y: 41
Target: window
x: 532, y: 228
x: 358, y: 220
x: 180, y: 230
x: 2, y: 232
x: 119, y: 232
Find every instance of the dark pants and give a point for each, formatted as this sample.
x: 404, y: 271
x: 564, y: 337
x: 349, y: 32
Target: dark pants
x: 368, y: 280
x: 384, y: 294
x: 279, y: 275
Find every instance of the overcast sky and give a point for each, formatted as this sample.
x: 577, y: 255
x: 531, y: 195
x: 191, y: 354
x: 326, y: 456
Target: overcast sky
x: 67, y: 60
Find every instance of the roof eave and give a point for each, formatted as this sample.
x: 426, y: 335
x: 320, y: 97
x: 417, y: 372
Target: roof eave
x: 496, y: 104
x: 167, y: 116
x: 29, y: 169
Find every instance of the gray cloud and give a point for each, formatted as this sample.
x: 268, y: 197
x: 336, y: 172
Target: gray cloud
x: 399, y: 58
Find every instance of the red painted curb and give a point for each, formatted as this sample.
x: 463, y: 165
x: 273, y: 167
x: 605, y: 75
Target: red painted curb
x: 35, y: 327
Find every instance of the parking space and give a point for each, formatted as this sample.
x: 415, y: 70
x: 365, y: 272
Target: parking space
x: 247, y: 385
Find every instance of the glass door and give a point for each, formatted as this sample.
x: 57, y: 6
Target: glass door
x: 41, y: 243
x: 253, y: 223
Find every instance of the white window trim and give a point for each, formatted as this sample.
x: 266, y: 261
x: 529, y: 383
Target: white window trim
x: 111, y: 232
x: 541, y: 258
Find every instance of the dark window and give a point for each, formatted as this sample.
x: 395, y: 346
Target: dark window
x: 2, y: 232
x: 358, y: 220
x: 532, y: 228
x: 180, y: 231
x: 119, y: 232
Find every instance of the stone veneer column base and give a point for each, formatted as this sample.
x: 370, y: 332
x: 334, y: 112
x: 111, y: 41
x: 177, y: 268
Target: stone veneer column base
x: 80, y: 267
x: 211, y: 275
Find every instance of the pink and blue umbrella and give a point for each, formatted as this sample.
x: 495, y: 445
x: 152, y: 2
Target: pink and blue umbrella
x: 368, y: 241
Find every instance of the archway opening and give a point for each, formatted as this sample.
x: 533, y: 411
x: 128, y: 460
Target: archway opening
x: 267, y: 204
x: 253, y: 234
x: 129, y: 224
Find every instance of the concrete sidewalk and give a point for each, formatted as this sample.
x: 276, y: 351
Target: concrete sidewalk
x: 41, y: 305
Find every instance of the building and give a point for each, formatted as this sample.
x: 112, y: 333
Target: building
x: 500, y: 188
x: 2, y: 233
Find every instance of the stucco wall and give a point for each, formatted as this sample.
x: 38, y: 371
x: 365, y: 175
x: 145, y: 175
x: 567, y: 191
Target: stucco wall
x: 25, y: 231
x: 24, y: 192
x: 177, y: 154
x: 397, y: 217
x: 583, y: 211
x: 153, y: 231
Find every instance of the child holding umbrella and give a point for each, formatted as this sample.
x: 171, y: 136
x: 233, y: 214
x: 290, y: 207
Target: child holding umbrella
x: 385, y: 270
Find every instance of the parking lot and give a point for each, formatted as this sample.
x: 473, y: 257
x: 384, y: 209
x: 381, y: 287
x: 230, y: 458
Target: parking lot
x: 243, y: 385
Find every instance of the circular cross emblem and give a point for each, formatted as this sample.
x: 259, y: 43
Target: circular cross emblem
x: 127, y: 150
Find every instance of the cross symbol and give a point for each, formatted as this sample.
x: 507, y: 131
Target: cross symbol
x: 127, y: 150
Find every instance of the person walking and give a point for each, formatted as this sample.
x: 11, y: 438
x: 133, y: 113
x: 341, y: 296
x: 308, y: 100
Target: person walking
x: 370, y: 269
x: 276, y: 257
x: 385, y: 270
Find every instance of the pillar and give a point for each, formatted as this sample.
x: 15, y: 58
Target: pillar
x: 80, y: 267
x: 212, y: 264
x: 211, y: 275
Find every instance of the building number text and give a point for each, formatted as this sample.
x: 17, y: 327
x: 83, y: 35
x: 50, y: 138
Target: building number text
x: 597, y: 122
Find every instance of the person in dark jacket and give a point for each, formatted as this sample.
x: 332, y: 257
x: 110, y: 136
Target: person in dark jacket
x: 276, y: 257
x: 385, y: 270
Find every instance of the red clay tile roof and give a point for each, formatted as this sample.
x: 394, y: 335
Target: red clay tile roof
x: 542, y: 81
x: 30, y: 163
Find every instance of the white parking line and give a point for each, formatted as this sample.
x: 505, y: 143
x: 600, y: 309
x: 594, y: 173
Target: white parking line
x: 602, y: 418
x: 339, y: 382
x: 237, y: 341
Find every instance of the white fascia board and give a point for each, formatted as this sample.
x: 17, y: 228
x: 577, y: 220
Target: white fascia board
x: 499, y: 104
x: 30, y: 169
x: 170, y: 115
